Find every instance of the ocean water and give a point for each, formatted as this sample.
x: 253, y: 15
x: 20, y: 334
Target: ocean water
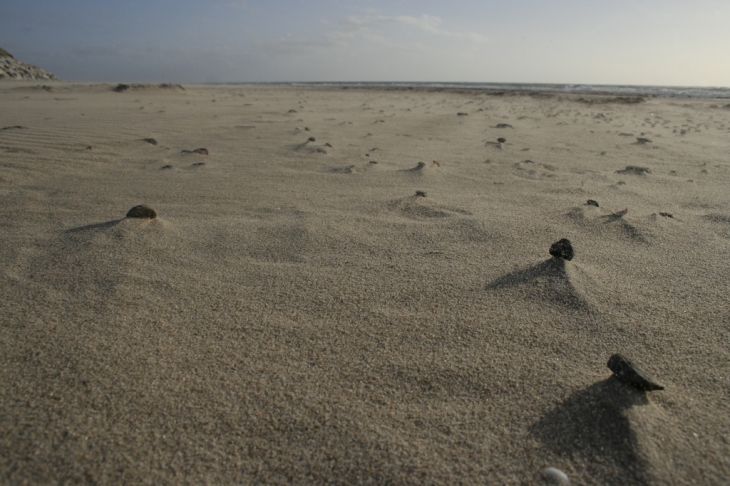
x: 618, y: 90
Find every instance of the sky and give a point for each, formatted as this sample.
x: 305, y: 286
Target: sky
x: 635, y: 42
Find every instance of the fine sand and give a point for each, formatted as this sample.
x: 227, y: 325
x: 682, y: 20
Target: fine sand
x: 297, y: 314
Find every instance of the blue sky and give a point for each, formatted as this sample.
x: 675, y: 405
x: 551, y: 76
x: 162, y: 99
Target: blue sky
x: 618, y: 42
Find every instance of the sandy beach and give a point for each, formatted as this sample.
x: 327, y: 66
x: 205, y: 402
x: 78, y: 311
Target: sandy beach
x: 298, y: 313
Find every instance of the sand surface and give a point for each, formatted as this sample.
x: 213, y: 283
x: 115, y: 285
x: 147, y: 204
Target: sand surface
x: 296, y: 314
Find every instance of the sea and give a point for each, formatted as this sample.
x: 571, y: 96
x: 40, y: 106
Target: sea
x: 617, y: 90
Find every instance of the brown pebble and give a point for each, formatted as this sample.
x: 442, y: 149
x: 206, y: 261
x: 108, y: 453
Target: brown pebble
x: 142, y: 211
x: 328, y: 145
x: 201, y: 151
x: 501, y: 140
x: 150, y: 140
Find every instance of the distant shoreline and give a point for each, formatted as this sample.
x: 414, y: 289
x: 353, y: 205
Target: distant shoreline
x: 528, y: 88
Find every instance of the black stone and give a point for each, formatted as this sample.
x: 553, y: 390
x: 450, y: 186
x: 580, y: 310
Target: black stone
x: 150, y: 140
x: 421, y: 193
x: 627, y: 372
x: 591, y: 202
x: 501, y: 140
x: 311, y: 139
x: 642, y: 140
x: 562, y: 249
x: 142, y: 211
x: 633, y: 169
x: 503, y: 125
x: 461, y: 113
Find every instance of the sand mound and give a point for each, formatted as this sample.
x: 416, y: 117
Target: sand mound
x: 620, y: 226
x: 555, y: 281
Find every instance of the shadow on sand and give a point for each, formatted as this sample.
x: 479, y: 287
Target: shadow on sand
x: 592, y: 424
x: 555, y: 280
x: 95, y: 226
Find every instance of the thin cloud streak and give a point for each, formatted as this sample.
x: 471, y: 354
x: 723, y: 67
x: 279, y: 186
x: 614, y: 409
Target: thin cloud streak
x: 426, y: 23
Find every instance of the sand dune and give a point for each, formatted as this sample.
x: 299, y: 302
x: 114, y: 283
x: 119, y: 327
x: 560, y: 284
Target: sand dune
x: 354, y: 286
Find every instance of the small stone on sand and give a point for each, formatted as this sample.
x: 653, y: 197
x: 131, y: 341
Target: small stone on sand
x: 667, y: 215
x: 311, y: 139
x: 556, y: 476
x: 501, y: 140
x: 201, y: 151
x: 591, y: 202
x: 461, y: 113
x: 642, y: 140
x: 503, y: 125
x: 629, y: 373
x: 562, y: 249
x: 168, y: 166
x: 328, y: 145
x: 150, y: 140
x: 142, y: 211
x: 633, y: 169
x: 421, y: 193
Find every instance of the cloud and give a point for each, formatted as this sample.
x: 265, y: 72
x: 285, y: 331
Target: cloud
x: 238, y: 5
x: 426, y: 23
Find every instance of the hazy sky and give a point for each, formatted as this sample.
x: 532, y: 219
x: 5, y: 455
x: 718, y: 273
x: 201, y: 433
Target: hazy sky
x: 659, y: 42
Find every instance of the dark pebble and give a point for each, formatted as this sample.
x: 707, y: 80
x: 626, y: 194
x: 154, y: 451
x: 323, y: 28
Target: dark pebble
x: 328, y: 145
x: 591, y: 202
x: 562, y: 249
x: 501, y: 140
x: 142, y: 211
x: 201, y: 151
x: 642, y: 140
x: 306, y: 129
x: 503, y: 125
x: 633, y: 169
x: 667, y: 215
x: 168, y: 166
x: 421, y: 193
x: 311, y: 139
x: 150, y: 140
x: 198, y: 164
x: 627, y: 372
x: 320, y: 150
x: 461, y: 113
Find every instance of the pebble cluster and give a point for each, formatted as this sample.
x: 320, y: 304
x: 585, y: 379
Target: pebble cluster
x: 11, y: 68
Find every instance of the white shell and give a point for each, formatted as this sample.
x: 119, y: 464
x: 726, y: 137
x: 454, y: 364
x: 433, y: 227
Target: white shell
x: 557, y: 475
